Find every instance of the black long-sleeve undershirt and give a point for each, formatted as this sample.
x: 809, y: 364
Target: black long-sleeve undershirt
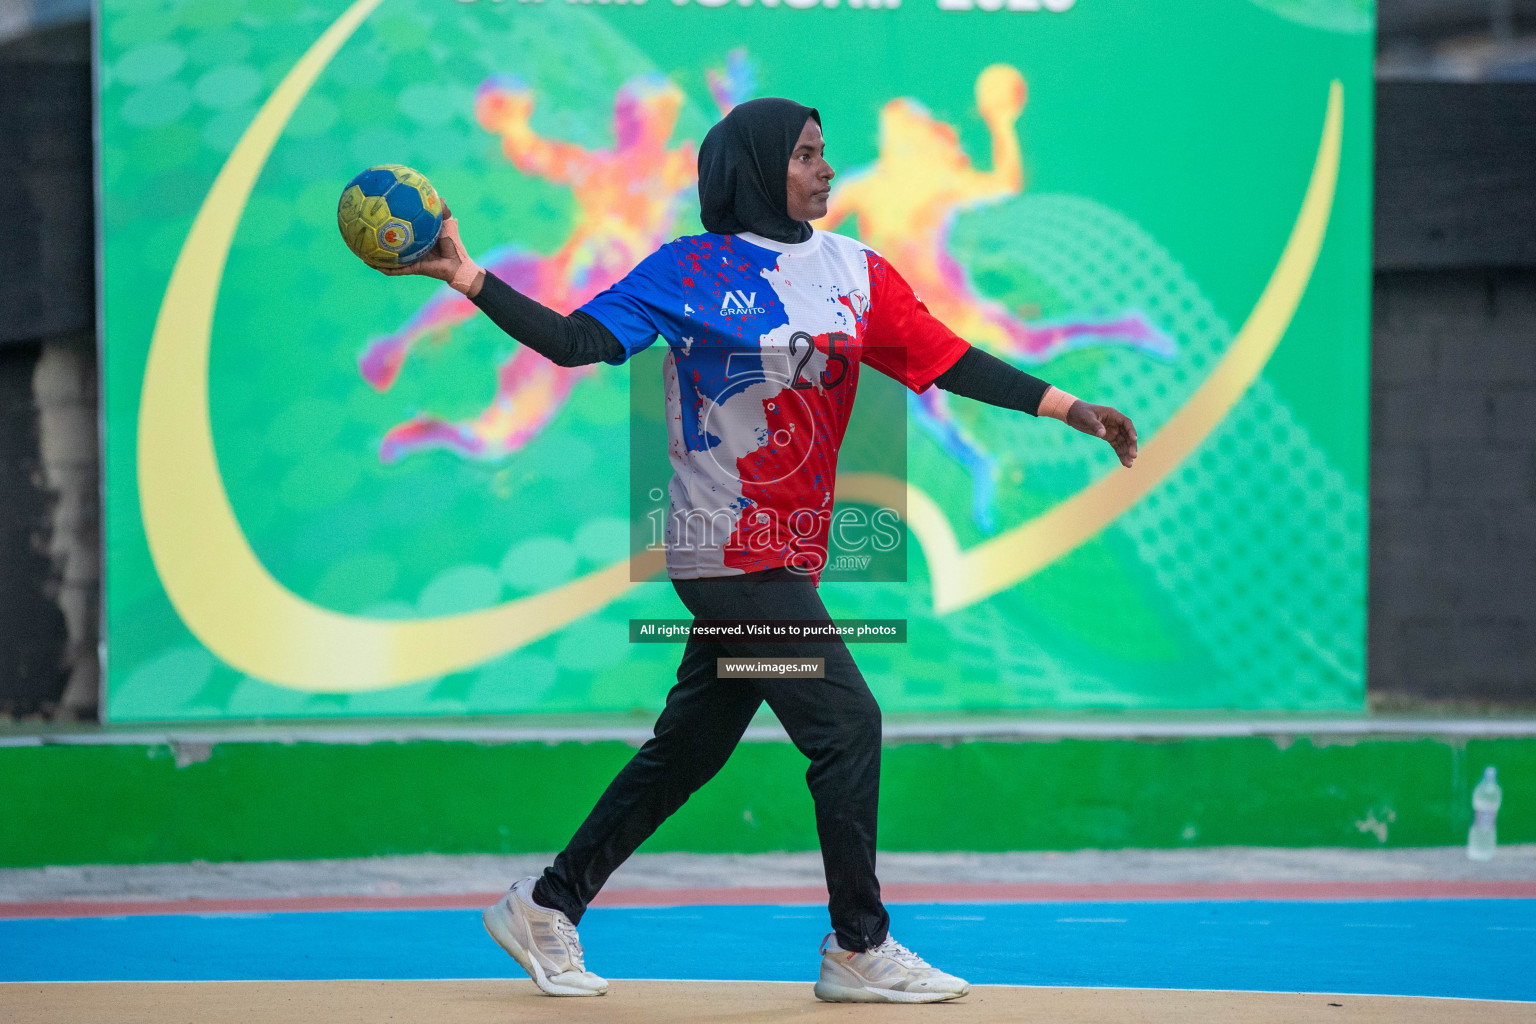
x: 984, y: 377
x: 580, y: 338
x: 574, y: 340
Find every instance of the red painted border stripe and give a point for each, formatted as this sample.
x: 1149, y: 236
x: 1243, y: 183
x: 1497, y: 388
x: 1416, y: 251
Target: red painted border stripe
x: 259, y: 905
x: 941, y: 892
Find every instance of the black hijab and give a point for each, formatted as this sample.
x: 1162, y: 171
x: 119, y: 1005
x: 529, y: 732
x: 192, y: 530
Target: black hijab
x: 743, y: 164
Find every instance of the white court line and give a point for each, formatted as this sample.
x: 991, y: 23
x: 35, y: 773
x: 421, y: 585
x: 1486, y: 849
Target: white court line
x: 946, y: 917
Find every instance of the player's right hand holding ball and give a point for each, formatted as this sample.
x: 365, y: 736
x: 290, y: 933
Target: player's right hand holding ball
x: 446, y: 260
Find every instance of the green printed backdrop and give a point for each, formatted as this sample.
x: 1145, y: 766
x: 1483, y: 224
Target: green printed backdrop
x: 1166, y: 149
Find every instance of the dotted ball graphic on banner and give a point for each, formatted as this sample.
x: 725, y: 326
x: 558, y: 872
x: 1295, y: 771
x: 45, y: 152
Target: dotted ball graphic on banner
x: 1257, y: 518
x: 389, y: 215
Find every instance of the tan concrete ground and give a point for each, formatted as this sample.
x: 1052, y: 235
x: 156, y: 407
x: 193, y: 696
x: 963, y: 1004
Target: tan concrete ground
x: 673, y: 1002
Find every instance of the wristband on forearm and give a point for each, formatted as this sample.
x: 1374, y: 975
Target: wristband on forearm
x: 464, y: 277
x: 1056, y: 403
x: 985, y: 378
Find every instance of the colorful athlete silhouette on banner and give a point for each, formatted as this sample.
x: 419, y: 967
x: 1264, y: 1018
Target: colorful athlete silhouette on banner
x: 904, y: 205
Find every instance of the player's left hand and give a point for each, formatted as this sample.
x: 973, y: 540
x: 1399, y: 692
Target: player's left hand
x: 1109, y: 423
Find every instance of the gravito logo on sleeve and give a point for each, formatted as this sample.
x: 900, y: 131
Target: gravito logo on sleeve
x: 740, y: 304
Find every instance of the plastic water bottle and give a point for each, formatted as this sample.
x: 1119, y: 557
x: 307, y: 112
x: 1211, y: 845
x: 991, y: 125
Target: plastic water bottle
x: 1483, y: 838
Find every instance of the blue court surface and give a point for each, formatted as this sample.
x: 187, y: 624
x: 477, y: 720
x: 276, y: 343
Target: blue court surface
x: 1469, y: 948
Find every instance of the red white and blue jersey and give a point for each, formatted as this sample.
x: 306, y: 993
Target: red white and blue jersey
x: 766, y: 340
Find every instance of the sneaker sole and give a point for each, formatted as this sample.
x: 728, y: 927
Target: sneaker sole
x: 830, y: 993
x: 498, y: 925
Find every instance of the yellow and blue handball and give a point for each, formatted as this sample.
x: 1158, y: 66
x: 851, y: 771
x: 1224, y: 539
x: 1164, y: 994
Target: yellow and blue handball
x: 389, y: 215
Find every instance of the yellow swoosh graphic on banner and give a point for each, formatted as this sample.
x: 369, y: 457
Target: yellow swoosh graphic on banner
x: 242, y: 614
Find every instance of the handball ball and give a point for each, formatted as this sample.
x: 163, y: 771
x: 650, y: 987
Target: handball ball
x: 389, y: 215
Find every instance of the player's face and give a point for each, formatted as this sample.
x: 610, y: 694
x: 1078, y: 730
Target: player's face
x: 810, y: 176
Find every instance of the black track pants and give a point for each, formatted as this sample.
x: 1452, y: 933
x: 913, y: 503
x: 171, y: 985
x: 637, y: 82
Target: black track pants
x: 833, y: 721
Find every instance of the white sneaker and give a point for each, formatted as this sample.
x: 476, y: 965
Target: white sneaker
x: 543, y: 941
x: 888, y: 973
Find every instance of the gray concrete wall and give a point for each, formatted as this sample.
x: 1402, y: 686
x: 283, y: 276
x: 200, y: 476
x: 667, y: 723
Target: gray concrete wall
x: 32, y: 630
x: 64, y: 391
x: 1453, y: 480
x: 49, y: 501
x: 50, y: 573
x: 47, y: 267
